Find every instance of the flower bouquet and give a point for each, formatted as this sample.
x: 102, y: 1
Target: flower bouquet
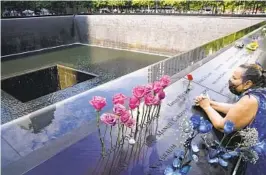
x: 219, y: 152
x: 126, y: 110
x: 253, y: 45
x: 181, y: 163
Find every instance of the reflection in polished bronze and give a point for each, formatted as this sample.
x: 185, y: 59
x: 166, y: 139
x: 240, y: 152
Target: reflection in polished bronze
x: 119, y: 153
x: 37, y: 122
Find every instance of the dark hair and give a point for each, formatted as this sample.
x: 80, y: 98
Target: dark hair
x: 254, y: 73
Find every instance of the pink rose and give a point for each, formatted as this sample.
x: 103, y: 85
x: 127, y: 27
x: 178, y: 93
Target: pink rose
x: 119, y: 109
x: 161, y: 95
x: 165, y: 81
x: 130, y: 123
x: 157, y: 87
x: 156, y: 101
x: 148, y: 99
x: 125, y: 117
x: 98, y: 102
x: 119, y: 98
x: 149, y: 88
x: 109, y: 119
x: 139, y: 91
x: 133, y: 102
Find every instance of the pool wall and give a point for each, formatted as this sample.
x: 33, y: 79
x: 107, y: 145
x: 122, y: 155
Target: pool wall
x: 167, y: 35
x: 28, y: 34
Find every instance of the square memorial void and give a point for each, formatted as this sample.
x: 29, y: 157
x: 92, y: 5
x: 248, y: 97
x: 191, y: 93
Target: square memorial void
x: 44, y: 81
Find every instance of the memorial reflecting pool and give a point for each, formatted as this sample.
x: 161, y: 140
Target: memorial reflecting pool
x: 86, y: 56
x: 59, y: 74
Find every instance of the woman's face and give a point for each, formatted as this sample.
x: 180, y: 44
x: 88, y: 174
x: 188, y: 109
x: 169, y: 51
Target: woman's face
x: 236, y: 83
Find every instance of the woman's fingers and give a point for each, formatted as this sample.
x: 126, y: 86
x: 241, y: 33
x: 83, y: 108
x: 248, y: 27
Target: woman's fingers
x: 200, y: 98
x: 197, y: 100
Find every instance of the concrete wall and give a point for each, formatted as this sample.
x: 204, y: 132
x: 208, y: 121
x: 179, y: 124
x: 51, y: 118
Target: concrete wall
x: 27, y: 34
x: 157, y: 34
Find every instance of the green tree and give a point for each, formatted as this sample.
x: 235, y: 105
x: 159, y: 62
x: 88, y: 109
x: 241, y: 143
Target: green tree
x: 230, y: 5
x: 99, y: 4
x: 143, y: 3
x: 259, y: 5
x: 46, y: 4
x: 207, y: 3
x: 59, y: 7
x: 168, y: 2
x: 116, y: 3
x: 177, y: 4
x: 195, y: 5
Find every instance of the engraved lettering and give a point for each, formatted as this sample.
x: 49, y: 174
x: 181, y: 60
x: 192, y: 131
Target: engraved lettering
x: 158, y: 164
x: 233, y: 64
x: 179, y: 115
x: 218, y: 78
x: 229, y: 58
x: 179, y: 97
x: 218, y: 67
x: 205, y: 77
x: 223, y: 88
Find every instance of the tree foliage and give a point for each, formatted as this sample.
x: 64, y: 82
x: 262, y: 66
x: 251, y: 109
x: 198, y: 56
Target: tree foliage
x: 185, y: 5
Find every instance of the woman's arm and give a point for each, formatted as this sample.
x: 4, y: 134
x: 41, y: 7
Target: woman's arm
x: 221, y: 107
x: 218, y: 106
x: 241, y: 114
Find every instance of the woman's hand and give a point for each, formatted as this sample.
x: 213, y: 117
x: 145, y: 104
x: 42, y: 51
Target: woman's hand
x: 202, y: 101
x: 197, y: 100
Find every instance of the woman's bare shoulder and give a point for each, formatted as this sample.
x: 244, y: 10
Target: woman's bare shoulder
x: 248, y: 102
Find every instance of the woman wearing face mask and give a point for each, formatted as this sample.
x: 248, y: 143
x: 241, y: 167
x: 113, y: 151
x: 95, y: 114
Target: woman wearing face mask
x: 249, y: 83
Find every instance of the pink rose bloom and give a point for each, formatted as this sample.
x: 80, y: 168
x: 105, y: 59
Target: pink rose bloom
x: 125, y: 117
x: 161, y: 95
x: 119, y: 98
x: 149, y: 88
x: 119, y: 109
x: 139, y: 91
x: 156, y: 101
x: 165, y: 81
x: 109, y: 119
x: 133, y: 102
x: 157, y: 87
x: 98, y: 102
x: 148, y: 99
x: 130, y: 123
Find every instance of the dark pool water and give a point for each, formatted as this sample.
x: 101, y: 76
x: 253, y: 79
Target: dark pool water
x: 85, y: 56
x: 32, y: 82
